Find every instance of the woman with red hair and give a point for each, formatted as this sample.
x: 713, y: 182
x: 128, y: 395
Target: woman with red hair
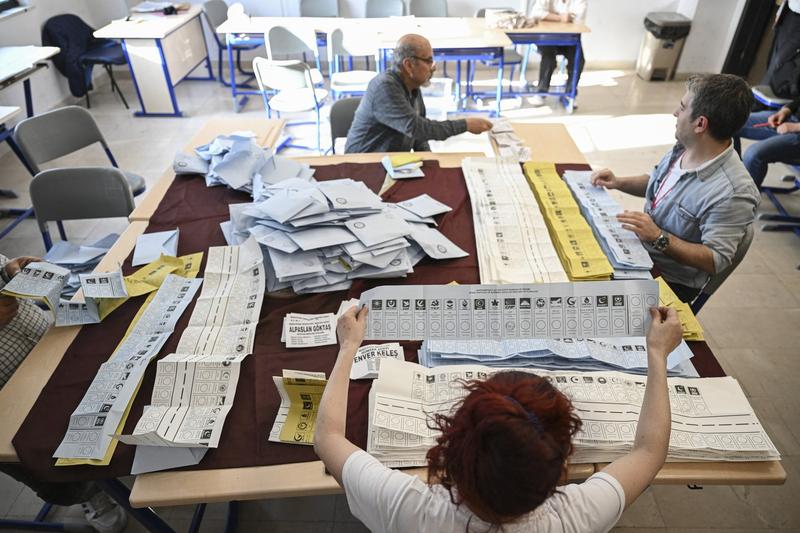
x: 500, y: 456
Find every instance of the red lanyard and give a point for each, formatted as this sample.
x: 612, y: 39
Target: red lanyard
x: 657, y: 197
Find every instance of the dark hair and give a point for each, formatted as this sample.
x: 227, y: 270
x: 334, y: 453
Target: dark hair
x: 724, y: 99
x: 504, y: 449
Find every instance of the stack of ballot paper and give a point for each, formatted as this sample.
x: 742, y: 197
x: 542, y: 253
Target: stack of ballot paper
x: 627, y: 354
x: 237, y: 161
x: 511, y: 236
x: 38, y: 281
x: 581, y: 255
x: 300, y: 394
x: 692, y: 330
x: 319, y: 236
x: 711, y: 418
x: 508, y: 142
x: 624, y: 249
x: 78, y: 259
x: 403, y: 166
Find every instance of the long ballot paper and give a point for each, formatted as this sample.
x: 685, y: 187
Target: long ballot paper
x: 106, y: 401
x: 195, y: 388
x: 711, y: 418
x: 546, y: 310
x: 511, y: 237
x: 580, y: 253
x: 300, y: 394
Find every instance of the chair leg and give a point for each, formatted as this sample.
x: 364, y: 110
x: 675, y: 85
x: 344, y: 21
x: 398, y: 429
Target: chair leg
x: 115, y: 86
x: 48, y: 242
x: 319, y: 132
x: 61, y: 232
x: 88, y: 103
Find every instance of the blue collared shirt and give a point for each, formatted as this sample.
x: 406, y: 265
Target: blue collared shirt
x: 711, y: 205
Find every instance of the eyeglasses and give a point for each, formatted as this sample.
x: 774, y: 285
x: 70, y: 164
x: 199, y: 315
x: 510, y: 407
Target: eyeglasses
x: 428, y: 60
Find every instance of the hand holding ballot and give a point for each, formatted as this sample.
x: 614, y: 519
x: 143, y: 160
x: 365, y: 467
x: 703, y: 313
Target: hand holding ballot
x: 351, y: 328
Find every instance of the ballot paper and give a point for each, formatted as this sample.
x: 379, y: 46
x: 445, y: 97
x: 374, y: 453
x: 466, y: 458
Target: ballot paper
x: 367, y: 360
x: 77, y: 313
x: 508, y: 143
x: 424, y: 206
x: 623, y: 247
x: 345, y: 306
x: 692, y: 330
x: 103, y: 405
x: 304, y: 331
x: 104, y: 285
x: 626, y: 353
x: 150, y: 246
x: 711, y: 418
x: 547, y: 310
x: 303, y: 410
x: 511, y: 236
x: 572, y: 237
x: 38, y: 281
x: 408, y: 170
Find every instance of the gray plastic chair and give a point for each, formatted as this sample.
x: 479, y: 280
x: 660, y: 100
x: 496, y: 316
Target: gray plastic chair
x: 283, y: 41
x: 78, y: 193
x: 348, y: 45
x: 59, y: 132
x: 716, y: 280
x: 319, y: 8
x: 428, y: 8
x: 341, y: 118
x: 385, y: 8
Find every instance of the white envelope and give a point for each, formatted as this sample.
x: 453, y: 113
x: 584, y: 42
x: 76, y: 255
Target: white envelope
x: 424, y: 206
x: 382, y: 227
x: 435, y: 244
x: 150, y: 246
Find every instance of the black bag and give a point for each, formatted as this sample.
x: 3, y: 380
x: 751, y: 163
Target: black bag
x: 785, y: 79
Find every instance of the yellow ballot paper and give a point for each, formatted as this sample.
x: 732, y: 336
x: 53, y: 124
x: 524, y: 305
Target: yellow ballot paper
x: 404, y: 159
x: 581, y: 255
x: 692, y: 330
x: 304, y: 396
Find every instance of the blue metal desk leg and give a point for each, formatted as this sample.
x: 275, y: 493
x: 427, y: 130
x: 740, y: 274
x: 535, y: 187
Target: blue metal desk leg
x: 499, y: 83
x: 237, y: 105
x: 120, y: 493
x: 26, y: 87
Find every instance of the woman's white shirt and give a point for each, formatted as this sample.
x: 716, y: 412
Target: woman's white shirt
x: 392, y: 501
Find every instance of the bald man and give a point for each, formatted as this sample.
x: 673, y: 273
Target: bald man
x: 391, y: 115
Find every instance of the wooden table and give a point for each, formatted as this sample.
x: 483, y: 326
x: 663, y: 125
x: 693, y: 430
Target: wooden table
x: 161, y: 50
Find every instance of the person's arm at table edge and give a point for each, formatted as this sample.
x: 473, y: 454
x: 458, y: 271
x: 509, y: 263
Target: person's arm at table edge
x: 635, y: 185
x: 330, y: 443
x: 391, y: 109
x: 636, y: 470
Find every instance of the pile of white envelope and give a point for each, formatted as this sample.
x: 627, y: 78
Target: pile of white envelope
x: 240, y: 163
x: 319, y: 236
x: 627, y: 354
x: 623, y: 248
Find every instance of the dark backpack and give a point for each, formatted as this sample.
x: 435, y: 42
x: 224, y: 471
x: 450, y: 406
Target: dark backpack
x: 785, y: 79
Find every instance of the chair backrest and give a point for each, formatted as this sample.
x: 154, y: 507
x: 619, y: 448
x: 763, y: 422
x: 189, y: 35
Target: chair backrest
x: 342, y: 113
x: 352, y: 42
x: 216, y: 12
x: 716, y: 280
x: 385, y: 8
x: 56, y: 133
x: 764, y: 94
x: 319, y: 8
x: 286, y: 75
x: 281, y: 40
x: 80, y: 192
x: 428, y: 8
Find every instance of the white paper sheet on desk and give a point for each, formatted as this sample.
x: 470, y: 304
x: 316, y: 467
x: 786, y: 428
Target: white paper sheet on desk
x: 76, y: 313
x: 150, y: 246
x: 179, y: 426
x: 425, y: 206
x: 367, y: 361
x: 158, y: 458
x: 66, y: 253
x: 378, y: 228
x: 435, y: 243
x: 38, y: 281
x: 103, y: 285
x: 305, y: 331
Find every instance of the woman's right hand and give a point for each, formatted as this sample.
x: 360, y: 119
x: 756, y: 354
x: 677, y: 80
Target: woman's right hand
x: 351, y: 327
x: 665, y: 331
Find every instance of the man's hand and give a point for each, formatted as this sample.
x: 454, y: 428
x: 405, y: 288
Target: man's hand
x: 8, y: 310
x: 15, y: 265
x: 779, y: 117
x: 641, y: 224
x: 351, y: 327
x: 605, y: 178
x: 478, y: 125
x: 665, y: 331
x: 788, y: 127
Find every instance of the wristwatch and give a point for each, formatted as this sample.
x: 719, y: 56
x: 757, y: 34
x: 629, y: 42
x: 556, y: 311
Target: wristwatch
x: 661, y: 242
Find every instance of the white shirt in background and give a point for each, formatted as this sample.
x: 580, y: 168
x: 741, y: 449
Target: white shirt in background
x: 540, y: 8
x: 387, y: 500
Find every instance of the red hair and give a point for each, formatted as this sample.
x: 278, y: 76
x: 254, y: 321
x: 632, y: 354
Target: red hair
x: 505, y: 448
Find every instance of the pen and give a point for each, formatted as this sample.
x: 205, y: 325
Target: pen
x: 762, y: 125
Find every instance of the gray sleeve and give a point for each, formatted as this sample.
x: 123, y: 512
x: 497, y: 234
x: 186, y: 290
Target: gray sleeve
x: 724, y: 226
x: 3, y: 261
x: 392, y: 109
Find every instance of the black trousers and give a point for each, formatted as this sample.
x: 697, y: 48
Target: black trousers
x: 70, y: 493
x: 684, y: 293
x: 548, y: 65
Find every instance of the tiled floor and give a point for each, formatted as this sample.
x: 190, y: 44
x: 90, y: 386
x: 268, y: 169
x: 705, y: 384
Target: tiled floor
x: 622, y: 123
